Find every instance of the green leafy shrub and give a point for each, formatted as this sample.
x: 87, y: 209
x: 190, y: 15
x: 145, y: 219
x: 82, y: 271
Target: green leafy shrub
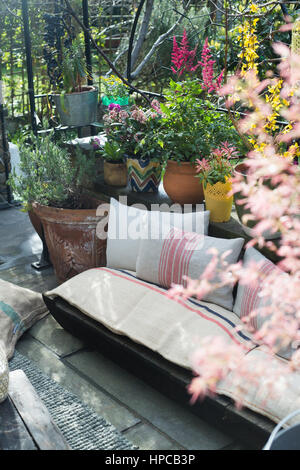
x: 50, y: 176
x: 192, y: 126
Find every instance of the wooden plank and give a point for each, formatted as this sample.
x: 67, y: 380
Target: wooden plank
x: 13, y: 432
x: 34, y: 413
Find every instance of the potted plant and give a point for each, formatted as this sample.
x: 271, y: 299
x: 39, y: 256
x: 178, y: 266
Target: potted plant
x: 215, y: 177
x: 114, y: 165
x: 51, y: 186
x: 77, y: 104
x: 133, y: 129
x: 191, y: 126
x: 114, y: 91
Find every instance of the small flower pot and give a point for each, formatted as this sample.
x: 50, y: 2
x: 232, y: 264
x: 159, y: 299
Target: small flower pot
x: 218, y: 202
x: 121, y: 100
x: 144, y: 174
x: 181, y: 184
x: 115, y: 173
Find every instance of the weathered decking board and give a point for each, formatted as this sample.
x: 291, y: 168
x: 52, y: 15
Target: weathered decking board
x: 25, y: 422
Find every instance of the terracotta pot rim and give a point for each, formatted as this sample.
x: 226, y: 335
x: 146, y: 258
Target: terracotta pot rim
x: 119, y: 162
x: 179, y: 163
x: 61, y: 215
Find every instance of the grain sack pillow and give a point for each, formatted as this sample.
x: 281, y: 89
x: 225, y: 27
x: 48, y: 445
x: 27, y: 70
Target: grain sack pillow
x: 126, y: 227
x: 248, y: 298
x: 19, y: 309
x: 167, y: 261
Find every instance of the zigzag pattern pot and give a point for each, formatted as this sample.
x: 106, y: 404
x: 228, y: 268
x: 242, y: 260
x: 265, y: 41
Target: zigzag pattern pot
x: 144, y: 174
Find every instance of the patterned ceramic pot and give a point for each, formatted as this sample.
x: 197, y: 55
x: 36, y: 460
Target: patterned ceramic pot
x: 144, y: 174
x: 4, y: 375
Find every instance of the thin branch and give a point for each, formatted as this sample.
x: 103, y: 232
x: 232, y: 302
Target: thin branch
x: 158, y: 42
x: 100, y: 51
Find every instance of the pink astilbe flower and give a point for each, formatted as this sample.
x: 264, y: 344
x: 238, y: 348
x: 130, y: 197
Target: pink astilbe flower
x: 207, y: 64
x: 183, y: 61
x: 182, y: 57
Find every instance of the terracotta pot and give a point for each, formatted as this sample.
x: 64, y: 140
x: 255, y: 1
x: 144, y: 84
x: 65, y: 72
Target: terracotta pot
x: 181, y: 185
x: 217, y: 201
x: 36, y: 222
x: 71, y: 239
x: 115, y: 174
x: 241, y: 210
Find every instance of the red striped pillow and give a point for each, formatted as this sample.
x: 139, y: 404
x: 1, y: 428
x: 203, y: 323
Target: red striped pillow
x: 248, y: 297
x: 177, y: 254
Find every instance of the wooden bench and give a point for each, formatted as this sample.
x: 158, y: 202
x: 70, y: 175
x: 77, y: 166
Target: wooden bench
x: 25, y: 422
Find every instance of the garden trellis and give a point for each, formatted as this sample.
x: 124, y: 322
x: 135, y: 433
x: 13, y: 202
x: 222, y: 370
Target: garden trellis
x: 32, y: 33
x: 134, y: 34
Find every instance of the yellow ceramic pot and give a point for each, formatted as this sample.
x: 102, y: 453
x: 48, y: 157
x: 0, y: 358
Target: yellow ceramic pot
x: 217, y: 201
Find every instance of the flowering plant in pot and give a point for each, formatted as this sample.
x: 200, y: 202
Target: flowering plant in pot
x: 191, y: 123
x: 215, y: 176
x: 51, y: 187
x: 114, y: 91
x: 77, y: 103
x: 114, y: 166
x: 191, y: 127
x: 132, y: 130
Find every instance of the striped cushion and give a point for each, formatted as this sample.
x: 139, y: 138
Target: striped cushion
x: 168, y: 261
x: 248, y: 296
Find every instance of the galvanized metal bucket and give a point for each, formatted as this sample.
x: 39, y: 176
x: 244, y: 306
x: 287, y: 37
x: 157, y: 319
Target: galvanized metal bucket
x: 77, y: 109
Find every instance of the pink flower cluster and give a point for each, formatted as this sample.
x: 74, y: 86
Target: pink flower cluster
x: 207, y: 65
x: 183, y: 60
x: 182, y: 57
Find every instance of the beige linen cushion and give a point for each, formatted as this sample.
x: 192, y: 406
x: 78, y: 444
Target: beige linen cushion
x: 167, y: 261
x: 143, y: 312
x: 20, y: 308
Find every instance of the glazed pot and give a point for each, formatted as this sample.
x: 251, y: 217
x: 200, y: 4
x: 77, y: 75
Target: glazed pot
x: 241, y: 210
x: 180, y: 183
x: 78, y: 108
x: 115, y: 173
x: 120, y: 100
x: 217, y: 201
x: 144, y: 174
x: 71, y: 238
